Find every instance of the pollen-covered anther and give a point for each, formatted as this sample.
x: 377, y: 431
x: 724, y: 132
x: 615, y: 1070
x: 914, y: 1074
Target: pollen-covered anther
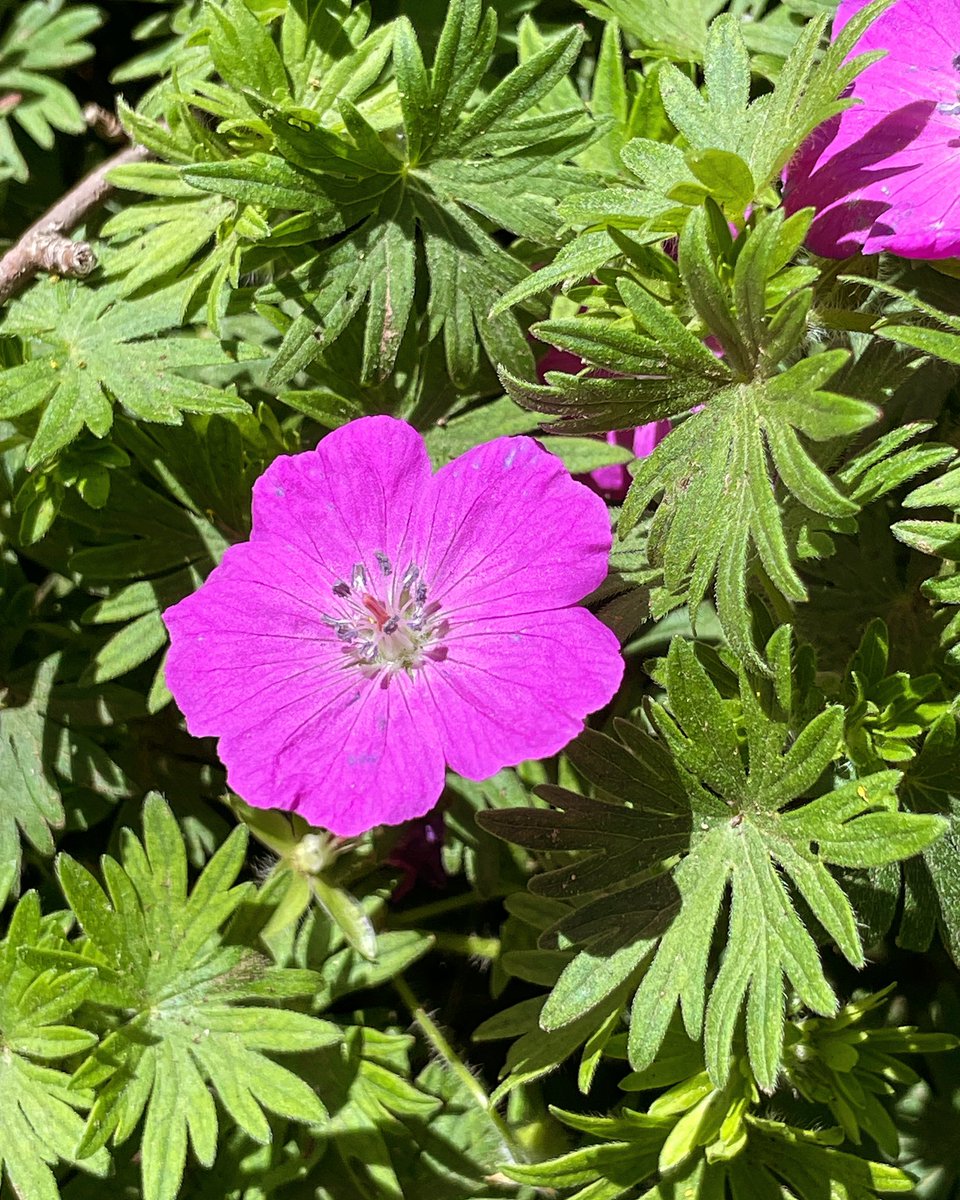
x: 387, y: 626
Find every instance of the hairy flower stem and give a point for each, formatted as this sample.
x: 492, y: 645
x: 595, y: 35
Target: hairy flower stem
x: 473, y: 945
x: 434, y: 1035
x: 45, y: 246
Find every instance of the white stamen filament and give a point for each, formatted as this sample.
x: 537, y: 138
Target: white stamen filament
x: 388, y: 625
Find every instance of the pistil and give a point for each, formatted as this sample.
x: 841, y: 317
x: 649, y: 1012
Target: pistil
x: 386, y: 624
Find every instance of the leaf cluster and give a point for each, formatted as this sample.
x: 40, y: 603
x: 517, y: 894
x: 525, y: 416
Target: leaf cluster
x: 725, y: 805
x: 728, y: 472
x: 777, y: 1157
x: 166, y: 1011
x: 86, y: 349
x: 352, y: 208
x: 724, y: 145
x: 38, y: 40
x: 356, y: 191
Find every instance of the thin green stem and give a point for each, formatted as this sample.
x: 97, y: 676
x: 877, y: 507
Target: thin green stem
x: 467, y: 943
x: 438, y: 1041
x: 437, y: 908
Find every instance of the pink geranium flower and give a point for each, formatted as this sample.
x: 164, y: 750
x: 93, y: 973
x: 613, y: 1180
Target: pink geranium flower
x: 885, y: 174
x: 612, y: 483
x: 384, y: 621
x: 419, y: 854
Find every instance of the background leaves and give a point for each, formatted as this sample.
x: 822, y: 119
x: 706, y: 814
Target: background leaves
x: 636, y: 968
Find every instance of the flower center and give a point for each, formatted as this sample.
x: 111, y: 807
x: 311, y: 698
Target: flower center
x: 386, y: 622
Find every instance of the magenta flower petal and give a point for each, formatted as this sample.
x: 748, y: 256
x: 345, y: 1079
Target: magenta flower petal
x: 383, y: 620
x: 556, y: 359
x: 349, y: 498
x: 252, y: 662
x: 646, y: 438
x: 371, y: 758
x: 248, y: 634
x: 512, y: 686
x: 514, y: 532
x: 884, y: 174
x: 613, y: 482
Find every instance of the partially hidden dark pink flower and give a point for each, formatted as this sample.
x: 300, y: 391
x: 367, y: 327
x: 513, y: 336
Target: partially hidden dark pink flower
x: 384, y: 621
x: 418, y: 852
x: 613, y: 482
x: 885, y: 174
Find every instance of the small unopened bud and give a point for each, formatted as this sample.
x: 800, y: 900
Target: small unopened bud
x: 314, y: 852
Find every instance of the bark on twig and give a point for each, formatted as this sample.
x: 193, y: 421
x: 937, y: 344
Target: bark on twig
x: 44, y: 246
x: 59, y: 255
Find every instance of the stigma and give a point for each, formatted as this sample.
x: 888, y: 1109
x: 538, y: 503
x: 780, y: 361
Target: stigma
x: 384, y: 619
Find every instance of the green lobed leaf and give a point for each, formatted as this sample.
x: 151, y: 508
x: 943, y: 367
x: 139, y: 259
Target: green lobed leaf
x: 751, y: 833
x: 167, y: 967
x: 92, y: 350
x: 43, y: 747
x: 40, y: 1115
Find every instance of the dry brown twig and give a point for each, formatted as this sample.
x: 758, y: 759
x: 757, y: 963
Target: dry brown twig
x: 46, y: 247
